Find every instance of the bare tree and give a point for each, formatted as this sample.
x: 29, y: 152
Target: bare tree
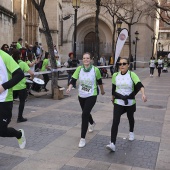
x: 112, y: 7
x: 39, y: 5
x: 96, y: 52
x: 130, y: 13
x: 159, y: 10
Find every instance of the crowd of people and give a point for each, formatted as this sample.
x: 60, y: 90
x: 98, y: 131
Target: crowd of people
x: 161, y: 64
x: 15, y: 60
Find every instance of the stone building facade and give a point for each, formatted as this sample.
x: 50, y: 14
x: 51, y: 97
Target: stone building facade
x: 146, y: 27
x: 22, y: 20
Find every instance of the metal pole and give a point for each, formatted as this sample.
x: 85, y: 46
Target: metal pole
x: 75, y: 32
x: 153, y: 48
x: 135, y: 54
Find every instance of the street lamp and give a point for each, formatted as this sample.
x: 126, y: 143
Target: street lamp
x: 119, y: 24
x: 153, y: 39
x: 76, y: 5
x: 159, y: 44
x: 136, y: 40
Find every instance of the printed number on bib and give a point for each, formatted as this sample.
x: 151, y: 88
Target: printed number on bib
x: 85, y: 88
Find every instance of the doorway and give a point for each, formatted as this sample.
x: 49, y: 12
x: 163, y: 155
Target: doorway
x: 89, y: 43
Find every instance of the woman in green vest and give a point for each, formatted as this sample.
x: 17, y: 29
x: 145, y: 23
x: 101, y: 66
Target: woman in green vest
x: 19, y: 90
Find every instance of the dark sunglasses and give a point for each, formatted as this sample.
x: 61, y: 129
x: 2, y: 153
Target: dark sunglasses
x: 120, y: 64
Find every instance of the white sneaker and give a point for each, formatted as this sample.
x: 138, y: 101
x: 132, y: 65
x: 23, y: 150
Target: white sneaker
x: 91, y: 127
x: 111, y: 147
x: 82, y: 143
x: 131, y: 136
x: 22, y: 140
x: 73, y: 88
x: 150, y: 75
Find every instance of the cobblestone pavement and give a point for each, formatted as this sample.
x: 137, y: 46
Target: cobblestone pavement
x: 53, y: 132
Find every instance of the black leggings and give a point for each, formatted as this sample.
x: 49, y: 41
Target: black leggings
x: 22, y: 94
x: 151, y: 70
x: 5, y: 118
x: 159, y: 71
x: 118, y: 111
x: 86, y: 106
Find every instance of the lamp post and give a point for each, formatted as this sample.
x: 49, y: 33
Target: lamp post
x: 76, y: 5
x: 153, y: 39
x: 136, y: 40
x: 119, y: 24
x: 159, y: 44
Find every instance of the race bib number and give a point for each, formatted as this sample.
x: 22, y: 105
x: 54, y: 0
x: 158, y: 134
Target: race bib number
x: 85, y: 88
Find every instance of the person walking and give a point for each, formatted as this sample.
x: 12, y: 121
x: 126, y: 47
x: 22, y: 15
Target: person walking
x: 19, y: 90
x: 88, y: 76
x: 160, y: 65
x: 10, y: 75
x: 125, y: 85
x: 152, y: 65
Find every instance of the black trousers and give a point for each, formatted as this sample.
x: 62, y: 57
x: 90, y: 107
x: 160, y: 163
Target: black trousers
x: 5, y: 118
x: 159, y: 71
x: 117, y: 112
x: 111, y: 70
x: 152, y: 70
x: 22, y: 94
x: 46, y: 79
x: 86, y: 105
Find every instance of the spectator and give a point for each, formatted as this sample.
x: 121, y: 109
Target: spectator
x: 102, y: 60
x: 37, y: 50
x: 72, y: 62
x: 19, y: 44
x: 111, y: 62
x: 5, y: 48
x: 55, y: 50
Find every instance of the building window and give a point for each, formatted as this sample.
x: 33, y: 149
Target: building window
x: 168, y: 36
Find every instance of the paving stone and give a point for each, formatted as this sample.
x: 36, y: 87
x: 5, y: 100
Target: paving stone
x: 141, y: 127
x: 58, y: 118
x: 41, y: 102
x: 9, y: 161
x: 66, y: 167
x: 137, y: 153
x: 74, y: 106
x: 37, y: 138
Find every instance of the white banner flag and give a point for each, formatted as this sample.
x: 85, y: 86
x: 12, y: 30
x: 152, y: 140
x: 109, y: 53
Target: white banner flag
x: 120, y: 43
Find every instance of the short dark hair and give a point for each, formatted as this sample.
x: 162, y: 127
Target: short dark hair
x: 16, y: 55
x: 20, y: 39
